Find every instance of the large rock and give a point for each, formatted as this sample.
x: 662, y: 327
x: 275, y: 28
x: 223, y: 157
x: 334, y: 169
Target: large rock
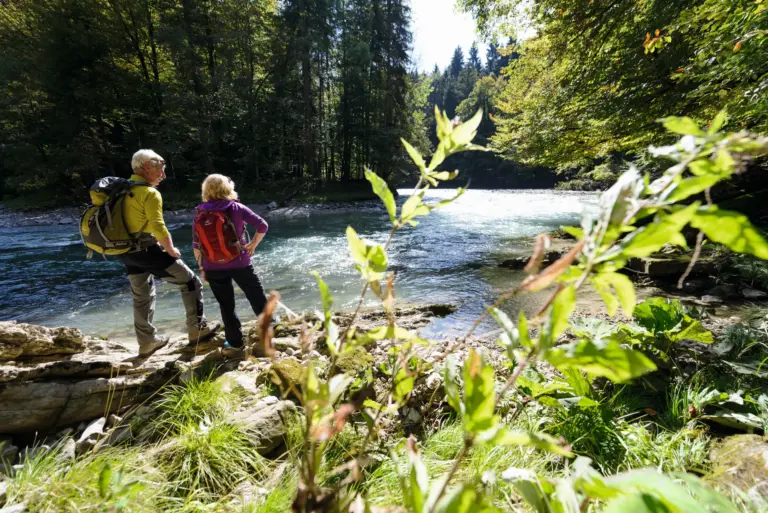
x: 741, y: 461
x: 267, y: 423
x: 22, y: 340
x: 44, y: 393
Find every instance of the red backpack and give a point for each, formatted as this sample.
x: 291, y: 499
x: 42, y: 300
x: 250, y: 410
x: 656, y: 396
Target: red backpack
x: 217, y: 236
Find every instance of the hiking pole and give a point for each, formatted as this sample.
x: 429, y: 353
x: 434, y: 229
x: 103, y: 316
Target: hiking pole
x: 290, y: 312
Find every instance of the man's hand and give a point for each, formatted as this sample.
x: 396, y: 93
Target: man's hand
x: 174, y: 252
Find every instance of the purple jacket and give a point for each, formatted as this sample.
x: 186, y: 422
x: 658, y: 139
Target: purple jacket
x: 240, y: 215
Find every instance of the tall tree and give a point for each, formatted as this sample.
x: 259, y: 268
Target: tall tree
x: 474, y: 61
x: 457, y: 62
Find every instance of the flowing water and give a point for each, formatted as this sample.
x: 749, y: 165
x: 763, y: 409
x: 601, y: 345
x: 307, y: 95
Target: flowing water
x: 452, y: 256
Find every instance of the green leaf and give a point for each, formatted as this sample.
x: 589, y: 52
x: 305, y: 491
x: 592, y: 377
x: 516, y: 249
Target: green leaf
x: 105, y: 479
x: 444, y: 176
x: 604, y: 289
x: 573, y: 231
x: 540, y: 441
x: 531, y: 488
x: 625, y: 291
x: 403, y: 386
x: 691, y: 186
x: 450, y: 379
x: 459, y: 192
x: 413, y: 207
x: 465, y: 132
x: 609, y: 360
x: 381, y: 190
x: 719, y: 122
x: 415, y: 485
x: 673, y: 495
x: 636, y: 503
x: 658, y: 314
x: 479, y: 395
x: 731, y: 229
x: 337, y: 385
x: 691, y: 329
x: 512, y: 339
x: 415, y: 155
x: 522, y: 330
x: 742, y: 421
x: 370, y: 259
x: 652, y: 237
x: 682, y: 126
x: 325, y: 295
x: 463, y: 499
x: 556, y: 322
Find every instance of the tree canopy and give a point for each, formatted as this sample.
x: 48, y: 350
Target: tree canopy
x: 599, y: 73
x: 299, y: 91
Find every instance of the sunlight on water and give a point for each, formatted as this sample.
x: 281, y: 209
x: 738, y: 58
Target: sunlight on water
x: 452, y: 256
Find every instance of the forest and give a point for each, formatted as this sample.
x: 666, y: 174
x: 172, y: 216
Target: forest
x: 282, y: 96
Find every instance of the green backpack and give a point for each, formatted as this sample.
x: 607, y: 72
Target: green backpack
x: 102, y: 225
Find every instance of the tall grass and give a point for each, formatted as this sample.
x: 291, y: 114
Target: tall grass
x: 49, y: 482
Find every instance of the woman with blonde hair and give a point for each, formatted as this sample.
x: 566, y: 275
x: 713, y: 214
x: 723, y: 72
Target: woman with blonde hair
x: 223, y: 253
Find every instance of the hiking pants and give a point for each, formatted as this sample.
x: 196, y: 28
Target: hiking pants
x: 142, y: 268
x: 224, y: 291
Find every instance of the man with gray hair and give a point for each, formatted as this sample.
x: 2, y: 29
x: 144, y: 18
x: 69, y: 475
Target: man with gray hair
x: 144, y: 217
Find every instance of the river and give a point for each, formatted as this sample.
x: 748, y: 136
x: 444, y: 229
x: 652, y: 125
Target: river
x: 452, y: 256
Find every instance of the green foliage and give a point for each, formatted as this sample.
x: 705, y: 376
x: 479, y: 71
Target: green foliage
x: 200, y: 400
x: 582, y: 89
x: 210, y: 458
x: 283, y: 95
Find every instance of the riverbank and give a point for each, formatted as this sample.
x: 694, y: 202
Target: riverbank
x: 199, y: 431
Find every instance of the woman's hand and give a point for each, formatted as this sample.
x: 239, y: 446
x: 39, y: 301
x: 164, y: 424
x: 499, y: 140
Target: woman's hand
x: 251, y: 247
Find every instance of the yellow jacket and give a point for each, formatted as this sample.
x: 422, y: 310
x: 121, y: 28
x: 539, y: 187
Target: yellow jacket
x: 144, y: 208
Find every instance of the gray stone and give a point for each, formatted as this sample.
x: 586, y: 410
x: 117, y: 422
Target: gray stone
x: 8, y: 452
x: 93, y: 432
x: 16, y: 508
x: 30, y: 340
x: 267, y: 424
x: 68, y: 449
x: 238, y: 381
x: 753, y: 294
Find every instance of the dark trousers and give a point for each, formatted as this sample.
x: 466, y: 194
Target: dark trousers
x: 224, y: 292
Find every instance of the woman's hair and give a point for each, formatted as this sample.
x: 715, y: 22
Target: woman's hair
x: 218, y: 187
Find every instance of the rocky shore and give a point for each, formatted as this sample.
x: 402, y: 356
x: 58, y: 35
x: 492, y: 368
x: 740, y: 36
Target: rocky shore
x: 58, y: 384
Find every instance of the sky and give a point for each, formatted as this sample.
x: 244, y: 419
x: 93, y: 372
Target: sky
x: 437, y: 30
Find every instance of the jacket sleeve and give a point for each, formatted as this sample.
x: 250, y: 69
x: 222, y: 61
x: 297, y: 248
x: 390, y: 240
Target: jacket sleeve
x: 153, y: 210
x: 254, y: 220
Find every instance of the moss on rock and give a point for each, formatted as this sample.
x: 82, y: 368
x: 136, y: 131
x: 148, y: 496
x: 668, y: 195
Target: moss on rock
x: 288, y: 375
x: 355, y: 361
x: 740, y: 461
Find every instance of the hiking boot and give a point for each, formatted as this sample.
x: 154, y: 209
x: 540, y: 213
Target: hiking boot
x: 230, y: 351
x: 205, y: 330
x: 149, y: 349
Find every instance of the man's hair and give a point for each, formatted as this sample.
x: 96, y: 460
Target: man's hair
x: 218, y: 187
x: 141, y: 157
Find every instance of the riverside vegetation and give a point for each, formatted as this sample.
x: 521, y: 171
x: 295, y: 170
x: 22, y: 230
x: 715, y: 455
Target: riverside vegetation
x: 557, y: 415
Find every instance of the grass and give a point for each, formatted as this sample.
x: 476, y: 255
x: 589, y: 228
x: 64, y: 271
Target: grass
x: 51, y: 483
x: 210, y: 459
x: 200, y: 400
